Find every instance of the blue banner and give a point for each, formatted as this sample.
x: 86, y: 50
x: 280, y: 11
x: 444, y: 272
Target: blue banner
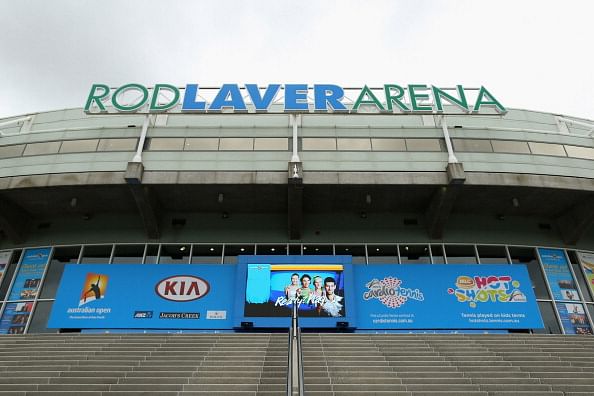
x: 573, y: 318
x: 269, y: 287
x: 15, y: 317
x: 558, y: 274
x: 28, y: 278
x: 144, y: 296
x: 445, y: 297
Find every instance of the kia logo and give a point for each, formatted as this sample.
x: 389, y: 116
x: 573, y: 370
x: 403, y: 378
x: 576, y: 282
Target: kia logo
x: 182, y: 288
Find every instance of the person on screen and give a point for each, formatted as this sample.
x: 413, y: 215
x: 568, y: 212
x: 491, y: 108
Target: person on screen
x: 304, y: 292
x: 291, y: 289
x: 318, y: 290
x: 333, y: 304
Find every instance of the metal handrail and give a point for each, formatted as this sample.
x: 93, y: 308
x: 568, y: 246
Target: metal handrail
x: 295, y: 358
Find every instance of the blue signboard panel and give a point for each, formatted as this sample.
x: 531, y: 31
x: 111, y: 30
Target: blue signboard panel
x: 573, y: 318
x: 445, y: 297
x: 28, y: 278
x: 15, y: 317
x: 318, y: 285
x: 144, y: 296
x: 557, y: 270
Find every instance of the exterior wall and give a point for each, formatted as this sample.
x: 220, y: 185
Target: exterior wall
x: 517, y: 125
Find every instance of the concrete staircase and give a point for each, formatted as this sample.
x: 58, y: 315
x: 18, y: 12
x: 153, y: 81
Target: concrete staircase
x: 448, y: 365
x: 151, y: 364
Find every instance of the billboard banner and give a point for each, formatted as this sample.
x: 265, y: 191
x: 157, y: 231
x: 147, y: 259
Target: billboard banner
x: 558, y: 274
x: 273, y: 290
x: 445, y: 297
x: 587, y: 261
x: 319, y: 286
x: 28, y: 278
x: 573, y: 318
x: 15, y: 317
x: 144, y: 296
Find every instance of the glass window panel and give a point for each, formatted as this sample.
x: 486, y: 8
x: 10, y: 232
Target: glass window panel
x: 167, y: 144
x: 9, y: 272
x: 42, y: 148
x: 510, y: 146
x: 61, y: 257
x: 423, y: 145
x: 79, y: 146
x: 357, y: 251
x: 573, y: 318
x: 15, y: 150
x: 388, y: 145
x: 580, y: 152
x: 152, y: 251
x: 207, y: 254
x: 96, y: 254
x: 205, y: 144
x: 276, y: 144
x: 579, y: 274
x: 174, y: 254
x: 15, y: 317
x: 353, y: 144
x: 320, y: 144
x: 551, y: 325
x: 585, y: 264
x: 472, y: 145
x: 460, y: 254
x: 590, y: 309
x: 128, y: 254
x: 128, y: 144
x: 4, y: 262
x: 318, y: 249
x: 233, y: 251
x: 40, y: 318
x: 380, y: 254
x: 526, y: 256
x: 414, y: 254
x: 239, y: 144
x: 270, y: 249
x: 492, y: 254
x: 295, y: 249
x: 547, y: 149
x: 437, y: 254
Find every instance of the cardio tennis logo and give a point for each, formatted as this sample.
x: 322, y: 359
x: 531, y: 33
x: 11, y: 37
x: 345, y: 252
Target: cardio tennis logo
x: 481, y: 289
x: 182, y: 288
x: 390, y: 292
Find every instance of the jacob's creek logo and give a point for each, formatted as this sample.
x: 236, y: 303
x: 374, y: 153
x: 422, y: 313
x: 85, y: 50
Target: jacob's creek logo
x: 481, y: 289
x: 182, y: 288
x: 389, y: 291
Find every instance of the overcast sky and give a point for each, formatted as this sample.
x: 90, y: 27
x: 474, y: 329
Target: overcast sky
x: 534, y: 55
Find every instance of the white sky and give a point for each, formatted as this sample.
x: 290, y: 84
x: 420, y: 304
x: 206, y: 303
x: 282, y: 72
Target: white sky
x: 534, y: 55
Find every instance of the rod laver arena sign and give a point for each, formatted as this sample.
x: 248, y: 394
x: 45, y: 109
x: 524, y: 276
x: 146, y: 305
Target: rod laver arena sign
x: 300, y: 98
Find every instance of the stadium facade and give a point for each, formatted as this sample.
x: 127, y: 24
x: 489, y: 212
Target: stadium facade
x: 174, y: 182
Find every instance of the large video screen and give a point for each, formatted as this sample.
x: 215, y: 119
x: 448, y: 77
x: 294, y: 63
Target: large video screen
x: 317, y: 290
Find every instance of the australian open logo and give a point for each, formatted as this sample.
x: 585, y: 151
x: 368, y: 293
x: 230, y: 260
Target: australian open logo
x: 389, y: 291
x: 484, y: 289
x: 93, y: 289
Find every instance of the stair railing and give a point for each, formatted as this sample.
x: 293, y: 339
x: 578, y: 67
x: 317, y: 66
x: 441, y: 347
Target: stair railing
x: 295, y: 357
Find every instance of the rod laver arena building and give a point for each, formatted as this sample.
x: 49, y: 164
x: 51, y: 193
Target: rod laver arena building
x: 398, y: 208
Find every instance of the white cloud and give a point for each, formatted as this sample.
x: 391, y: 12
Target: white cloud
x: 530, y: 54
